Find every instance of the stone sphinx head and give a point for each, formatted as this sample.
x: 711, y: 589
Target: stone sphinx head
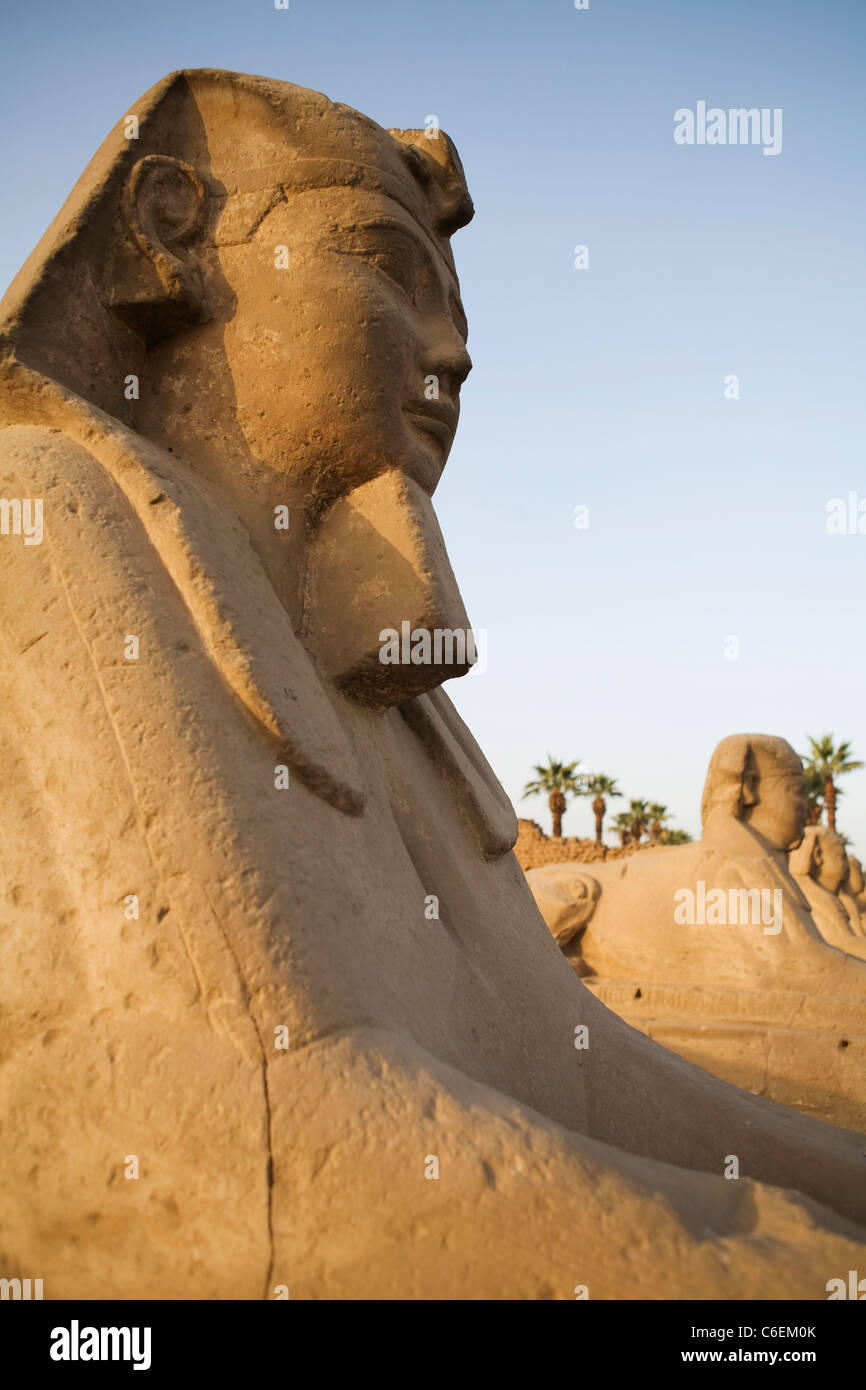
x: 260, y: 281
x: 758, y: 780
x: 566, y: 896
x: 822, y: 857
x: 855, y: 875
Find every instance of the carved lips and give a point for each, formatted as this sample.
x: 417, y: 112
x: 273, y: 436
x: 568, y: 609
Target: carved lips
x: 436, y: 421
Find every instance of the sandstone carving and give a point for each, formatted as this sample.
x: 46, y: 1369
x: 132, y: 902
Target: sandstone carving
x: 279, y: 1011
x: 712, y: 947
x: 567, y: 897
x: 853, y: 897
x: 820, y: 866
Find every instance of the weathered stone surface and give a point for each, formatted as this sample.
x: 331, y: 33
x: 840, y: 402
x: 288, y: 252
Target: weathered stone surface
x: 713, y: 947
x: 820, y: 867
x: 263, y: 938
x: 853, y: 897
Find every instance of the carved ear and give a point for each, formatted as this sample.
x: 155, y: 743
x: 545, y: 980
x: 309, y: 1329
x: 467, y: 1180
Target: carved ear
x: 161, y: 289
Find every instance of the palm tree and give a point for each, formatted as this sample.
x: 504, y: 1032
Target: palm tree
x: 830, y: 762
x: 676, y: 837
x: 598, y: 786
x: 813, y: 783
x: 639, y: 811
x: 559, y: 780
x: 621, y: 824
x: 658, y: 814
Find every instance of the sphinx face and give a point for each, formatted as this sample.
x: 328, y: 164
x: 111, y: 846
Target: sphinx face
x: 779, y: 812
x: 830, y: 862
x: 324, y: 378
x: 347, y: 342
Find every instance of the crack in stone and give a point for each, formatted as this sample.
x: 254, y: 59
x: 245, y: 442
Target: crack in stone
x: 266, y: 1093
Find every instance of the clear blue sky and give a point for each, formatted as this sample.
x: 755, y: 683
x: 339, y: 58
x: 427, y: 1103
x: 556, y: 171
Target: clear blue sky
x: 601, y: 387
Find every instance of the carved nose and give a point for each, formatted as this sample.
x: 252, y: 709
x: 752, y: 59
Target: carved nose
x: 460, y: 368
x: 448, y: 359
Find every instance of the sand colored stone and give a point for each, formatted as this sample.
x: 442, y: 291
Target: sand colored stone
x: 325, y: 1019
x: 748, y: 987
x: 820, y: 867
x: 853, y: 897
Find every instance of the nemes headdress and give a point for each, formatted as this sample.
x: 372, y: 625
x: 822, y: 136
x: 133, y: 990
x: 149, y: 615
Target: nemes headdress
x: 199, y: 161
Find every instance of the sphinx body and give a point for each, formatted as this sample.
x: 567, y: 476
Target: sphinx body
x: 820, y: 868
x: 712, y: 948
x: 281, y: 1011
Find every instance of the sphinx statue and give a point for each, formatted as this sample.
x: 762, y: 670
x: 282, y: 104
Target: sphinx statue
x: 282, y: 1018
x: 820, y: 867
x: 853, y: 897
x: 567, y: 897
x: 713, y: 948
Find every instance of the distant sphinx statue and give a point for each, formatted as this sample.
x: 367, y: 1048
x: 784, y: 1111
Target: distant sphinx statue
x: 821, y: 868
x: 853, y: 897
x: 567, y: 896
x: 712, y: 946
x: 280, y: 1015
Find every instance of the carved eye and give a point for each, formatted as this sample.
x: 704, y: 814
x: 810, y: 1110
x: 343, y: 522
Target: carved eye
x: 398, y: 268
x: 397, y: 257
